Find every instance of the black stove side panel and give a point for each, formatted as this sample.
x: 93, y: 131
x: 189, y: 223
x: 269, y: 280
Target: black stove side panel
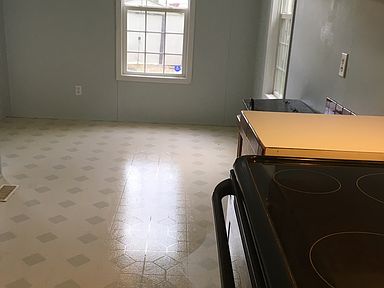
x: 271, y: 256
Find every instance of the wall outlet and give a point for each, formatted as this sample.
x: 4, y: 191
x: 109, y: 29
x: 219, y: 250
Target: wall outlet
x: 78, y: 90
x: 343, y: 64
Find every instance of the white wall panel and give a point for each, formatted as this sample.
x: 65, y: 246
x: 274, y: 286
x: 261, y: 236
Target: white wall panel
x: 54, y: 45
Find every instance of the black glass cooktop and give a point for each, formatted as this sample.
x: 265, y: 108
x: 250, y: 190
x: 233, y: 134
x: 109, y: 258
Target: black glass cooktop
x: 327, y: 219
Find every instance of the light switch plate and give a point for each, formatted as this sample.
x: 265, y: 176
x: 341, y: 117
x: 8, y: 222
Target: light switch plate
x: 343, y: 64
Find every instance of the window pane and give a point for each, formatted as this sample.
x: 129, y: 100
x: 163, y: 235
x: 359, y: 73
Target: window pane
x: 279, y: 58
x: 174, y: 43
x: 154, y: 63
x: 173, y: 64
x: 277, y: 82
x: 287, y: 6
x: 135, y: 62
x: 135, y: 42
x: 285, y: 30
x: 158, y: 3
x: 177, y: 3
x: 136, y: 20
x: 175, y: 22
x: 155, y: 21
x: 154, y: 43
x: 135, y: 3
x: 285, y: 57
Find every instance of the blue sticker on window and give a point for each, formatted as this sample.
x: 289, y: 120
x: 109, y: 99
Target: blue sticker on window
x: 177, y: 68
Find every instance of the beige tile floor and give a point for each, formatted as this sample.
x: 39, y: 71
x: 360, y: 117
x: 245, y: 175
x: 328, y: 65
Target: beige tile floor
x: 105, y: 204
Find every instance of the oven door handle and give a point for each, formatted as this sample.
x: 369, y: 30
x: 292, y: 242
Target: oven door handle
x: 222, y: 190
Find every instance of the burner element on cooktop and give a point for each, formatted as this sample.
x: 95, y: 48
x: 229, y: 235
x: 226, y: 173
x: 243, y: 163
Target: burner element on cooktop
x: 349, y: 259
x: 372, y: 185
x: 307, y: 181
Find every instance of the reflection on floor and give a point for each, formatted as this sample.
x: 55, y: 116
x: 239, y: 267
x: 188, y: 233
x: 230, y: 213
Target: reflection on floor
x: 104, y: 204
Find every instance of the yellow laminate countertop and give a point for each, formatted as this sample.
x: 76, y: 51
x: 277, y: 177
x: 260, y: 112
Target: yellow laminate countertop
x: 318, y: 135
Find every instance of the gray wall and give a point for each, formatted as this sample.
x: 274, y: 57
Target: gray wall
x: 262, y: 38
x: 53, y: 45
x: 326, y: 28
x: 4, y: 89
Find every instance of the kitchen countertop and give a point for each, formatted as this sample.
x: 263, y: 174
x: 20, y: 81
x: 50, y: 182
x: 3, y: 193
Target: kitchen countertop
x: 317, y: 135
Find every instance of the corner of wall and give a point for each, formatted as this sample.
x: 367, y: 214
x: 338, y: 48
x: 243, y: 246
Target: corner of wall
x: 4, y: 80
x: 262, y: 37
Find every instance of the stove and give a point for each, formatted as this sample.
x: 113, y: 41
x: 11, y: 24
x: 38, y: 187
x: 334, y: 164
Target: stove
x: 306, y: 223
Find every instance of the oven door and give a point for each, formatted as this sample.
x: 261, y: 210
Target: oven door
x: 239, y: 261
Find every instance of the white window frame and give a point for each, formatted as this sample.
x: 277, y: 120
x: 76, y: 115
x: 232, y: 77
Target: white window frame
x: 272, y: 50
x: 185, y: 77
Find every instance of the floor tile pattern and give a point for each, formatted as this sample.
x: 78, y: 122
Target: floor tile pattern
x: 107, y: 204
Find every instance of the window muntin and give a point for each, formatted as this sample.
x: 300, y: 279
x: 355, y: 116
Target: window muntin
x: 155, y: 38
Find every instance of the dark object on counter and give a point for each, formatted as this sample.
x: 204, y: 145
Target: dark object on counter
x: 334, y: 107
x: 304, y: 223
x: 277, y: 105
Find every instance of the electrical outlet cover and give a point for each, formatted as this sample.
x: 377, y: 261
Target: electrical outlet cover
x: 343, y: 65
x: 78, y: 90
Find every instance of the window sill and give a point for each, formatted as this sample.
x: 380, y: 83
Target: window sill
x: 154, y: 79
x: 270, y: 96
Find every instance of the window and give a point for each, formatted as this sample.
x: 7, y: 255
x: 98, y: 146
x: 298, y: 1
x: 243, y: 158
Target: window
x: 154, y: 40
x: 278, y: 47
x: 283, y: 45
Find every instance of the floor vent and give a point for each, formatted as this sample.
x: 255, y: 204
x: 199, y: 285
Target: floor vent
x: 6, y: 191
